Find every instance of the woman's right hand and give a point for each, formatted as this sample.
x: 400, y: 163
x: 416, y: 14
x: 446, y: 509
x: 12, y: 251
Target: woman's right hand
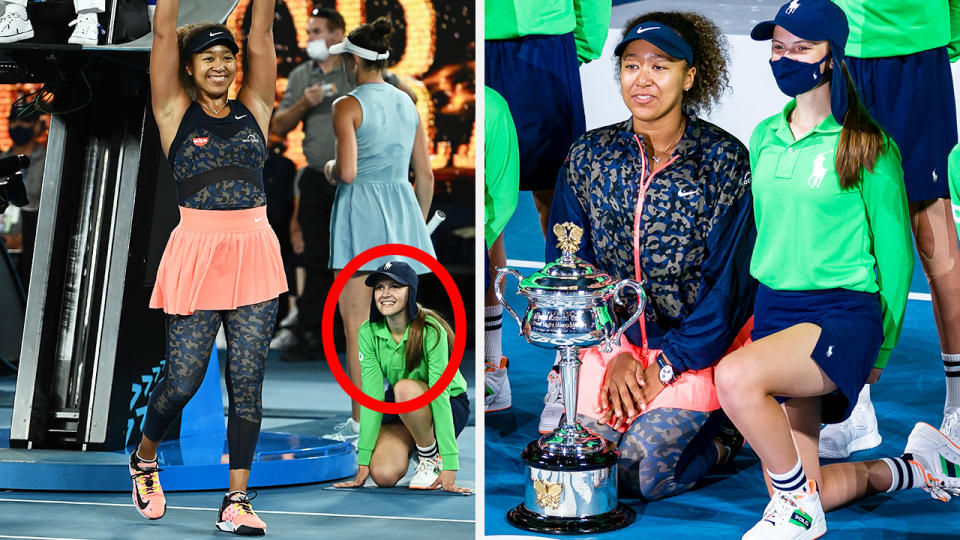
x: 363, y: 471
x: 621, y: 396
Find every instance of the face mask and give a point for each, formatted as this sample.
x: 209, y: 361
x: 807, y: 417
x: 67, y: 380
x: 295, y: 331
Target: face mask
x: 317, y: 50
x: 795, y: 78
x: 21, y: 135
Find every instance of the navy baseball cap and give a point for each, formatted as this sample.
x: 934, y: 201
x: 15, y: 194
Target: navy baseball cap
x: 214, y: 35
x: 815, y: 20
x: 662, y: 36
x: 402, y: 274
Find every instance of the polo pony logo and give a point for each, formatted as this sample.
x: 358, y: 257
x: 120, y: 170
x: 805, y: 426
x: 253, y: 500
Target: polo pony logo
x: 819, y: 171
x: 794, y: 4
x: 387, y: 266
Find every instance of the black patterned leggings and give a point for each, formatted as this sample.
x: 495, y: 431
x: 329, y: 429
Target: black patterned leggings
x: 190, y: 339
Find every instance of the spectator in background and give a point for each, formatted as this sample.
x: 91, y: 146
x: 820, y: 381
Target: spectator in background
x: 26, y: 127
x: 279, y: 174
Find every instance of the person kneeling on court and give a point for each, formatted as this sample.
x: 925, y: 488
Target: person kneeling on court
x: 408, y: 345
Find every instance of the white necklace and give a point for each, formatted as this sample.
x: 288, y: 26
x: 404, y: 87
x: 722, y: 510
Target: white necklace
x: 211, y: 109
x: 661, y: 155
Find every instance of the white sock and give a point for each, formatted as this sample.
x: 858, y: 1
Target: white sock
x: 427, y: 452
x: 906, y: 474
x: 492, y: 331
x: 792, y: 480
x: 951, y: 368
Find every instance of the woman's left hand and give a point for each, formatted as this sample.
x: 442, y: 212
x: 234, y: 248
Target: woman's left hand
x: 446, y: 481
x: 874, y: 375
x: 328, y: 172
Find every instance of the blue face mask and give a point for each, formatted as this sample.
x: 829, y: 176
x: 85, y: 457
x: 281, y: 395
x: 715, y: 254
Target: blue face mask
x: 795, y: 78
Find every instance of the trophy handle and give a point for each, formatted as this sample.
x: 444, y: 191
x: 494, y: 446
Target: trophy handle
x: 641, y: 303
x: 501, y: 274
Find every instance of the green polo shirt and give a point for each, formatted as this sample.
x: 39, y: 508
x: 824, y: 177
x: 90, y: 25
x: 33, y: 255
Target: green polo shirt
x: 501, y: 171
x: 811, y: 234
x: 383, y: 358
x: 880, y: 28
x: 953, y: 175
x: 589, y: 21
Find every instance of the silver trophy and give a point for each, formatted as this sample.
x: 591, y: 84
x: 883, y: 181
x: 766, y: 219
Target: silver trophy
x: 572, y: 477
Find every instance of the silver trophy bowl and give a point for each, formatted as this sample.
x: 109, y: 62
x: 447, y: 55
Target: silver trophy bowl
x: 572, y: 486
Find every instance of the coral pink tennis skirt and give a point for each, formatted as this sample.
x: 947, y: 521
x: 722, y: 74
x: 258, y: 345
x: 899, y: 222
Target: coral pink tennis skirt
x: 219, y: 259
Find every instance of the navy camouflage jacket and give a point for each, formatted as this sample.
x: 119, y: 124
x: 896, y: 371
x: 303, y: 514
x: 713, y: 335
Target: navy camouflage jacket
x: 698, y: 233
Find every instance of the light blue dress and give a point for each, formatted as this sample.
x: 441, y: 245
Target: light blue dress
x: 379, y: 206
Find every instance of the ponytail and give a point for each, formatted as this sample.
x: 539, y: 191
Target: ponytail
x: 861, y: 139
x: 414, y: 350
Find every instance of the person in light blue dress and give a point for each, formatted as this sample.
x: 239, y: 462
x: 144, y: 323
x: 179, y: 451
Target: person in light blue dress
x: 379, y: 137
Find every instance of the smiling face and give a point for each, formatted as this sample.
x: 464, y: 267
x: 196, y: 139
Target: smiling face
x: 390, y: 297
x: 786, y: 44
x: 651, y: 81
x: 213, y: 70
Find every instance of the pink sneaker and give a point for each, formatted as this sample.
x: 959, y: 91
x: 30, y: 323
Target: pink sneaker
x: 237, y: 516
x: 147, y: 493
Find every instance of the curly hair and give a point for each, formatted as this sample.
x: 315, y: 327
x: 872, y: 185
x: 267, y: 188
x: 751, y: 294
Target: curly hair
x: 710, y: 55
x: 184, y: 34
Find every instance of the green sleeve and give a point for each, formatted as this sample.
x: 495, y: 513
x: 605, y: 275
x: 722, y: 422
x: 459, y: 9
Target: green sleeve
x: 953, y: 176
x: 437, y: 354
x: 593, y: 21
x: 372, y: 384
x: 885, y: 201
x: 953, y: 48
x: 502, y: 166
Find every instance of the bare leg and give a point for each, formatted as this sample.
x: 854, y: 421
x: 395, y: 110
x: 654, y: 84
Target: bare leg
x: 238, y: 479
x: 840, y: 483
x: 354, y: 305
x: 542, y: 199
x: 391, y: 455
x: 748, y: 378
x: 936, y: 242
x: 420, y: 421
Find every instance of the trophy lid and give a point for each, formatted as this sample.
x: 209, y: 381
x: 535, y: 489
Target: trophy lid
x: 568, y: 275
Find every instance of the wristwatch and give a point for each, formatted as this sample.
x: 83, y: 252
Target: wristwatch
x: 667, y: 375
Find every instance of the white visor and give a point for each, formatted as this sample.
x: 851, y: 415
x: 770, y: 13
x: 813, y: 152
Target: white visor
x: 366, y: 54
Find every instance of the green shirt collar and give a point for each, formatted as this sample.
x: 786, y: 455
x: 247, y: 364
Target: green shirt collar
x: 782, y: 128
x: 382, y: 331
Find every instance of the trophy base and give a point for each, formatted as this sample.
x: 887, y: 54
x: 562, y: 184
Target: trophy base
x: 618, y: 518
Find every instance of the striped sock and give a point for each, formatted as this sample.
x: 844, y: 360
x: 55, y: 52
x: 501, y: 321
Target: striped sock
x: 792, y: 480
x: 905, y: 472
x: 427, y: 452
x: 951, y: 368
x: 492, y: 330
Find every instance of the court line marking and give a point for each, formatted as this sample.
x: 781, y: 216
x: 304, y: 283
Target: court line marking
x: 283, y: 512
x: 40, y: 537
x: 536, y: 265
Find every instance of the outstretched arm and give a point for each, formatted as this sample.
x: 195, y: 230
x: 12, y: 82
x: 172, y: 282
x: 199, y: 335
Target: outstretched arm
x: 260, y: 64
x: 168, y: 97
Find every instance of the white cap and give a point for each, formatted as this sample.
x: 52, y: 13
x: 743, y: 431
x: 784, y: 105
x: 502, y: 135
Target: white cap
x: 366, y: 54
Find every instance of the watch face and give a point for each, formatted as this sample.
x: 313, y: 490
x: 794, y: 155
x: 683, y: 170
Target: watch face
x: 666, y: 374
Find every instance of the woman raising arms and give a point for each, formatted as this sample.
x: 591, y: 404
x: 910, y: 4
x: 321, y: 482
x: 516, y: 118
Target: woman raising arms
x: 222, y: 262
